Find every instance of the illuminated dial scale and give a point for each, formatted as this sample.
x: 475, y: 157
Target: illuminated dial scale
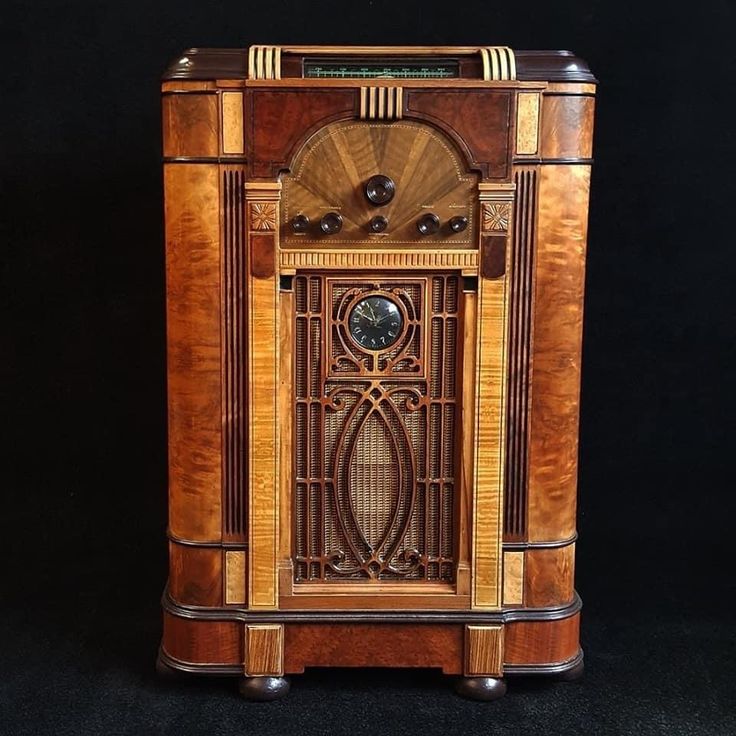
x: 325, y: 69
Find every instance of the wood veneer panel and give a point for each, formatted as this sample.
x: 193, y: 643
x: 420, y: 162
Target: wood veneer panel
x: 477, y: 119
x: 203, y: 642
x: 549, y: 578
x: 558, y: 320
x: 195, y: 575
x: 374, y: 645
x: 567, y: 126
x: 264, y: 650
x: 190, y: 125
x: 483, y: 650
x: 542, y: 642
x: 193, y: 333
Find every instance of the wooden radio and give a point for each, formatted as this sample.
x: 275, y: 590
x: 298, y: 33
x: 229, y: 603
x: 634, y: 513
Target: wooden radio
x: 375, y: 261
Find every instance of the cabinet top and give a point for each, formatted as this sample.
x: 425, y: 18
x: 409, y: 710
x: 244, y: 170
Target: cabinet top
x: 379, y: 62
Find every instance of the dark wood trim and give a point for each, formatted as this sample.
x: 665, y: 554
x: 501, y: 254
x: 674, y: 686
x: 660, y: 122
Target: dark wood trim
x: 553, y: 668
x: 531, y: 66
x: 203, y: 160
x: 507, y: 616
x: 541, y: 545
x: 192, y: 543
x: 170, y: 92
x: 546, y: 161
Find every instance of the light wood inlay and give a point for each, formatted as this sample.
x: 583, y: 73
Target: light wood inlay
x: 381, y: 103
x: 527, y: 123
x: 235, y: 561
x: 264, y: 650
x: 263, y: 408
x: 466, y: 260
x: 483, y: 651
x: 513, y: 578
x: 232, y: 122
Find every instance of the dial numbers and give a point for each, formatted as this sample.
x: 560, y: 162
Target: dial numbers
x: 375, y: 323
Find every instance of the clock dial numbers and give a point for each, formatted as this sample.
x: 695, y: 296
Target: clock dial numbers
x: 375, y: 322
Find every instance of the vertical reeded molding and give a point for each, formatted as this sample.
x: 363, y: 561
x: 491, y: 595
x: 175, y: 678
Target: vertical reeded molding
x: 233, y: 356
x: 491, y: 325
x: 520, y: 337
x: 262, y: 205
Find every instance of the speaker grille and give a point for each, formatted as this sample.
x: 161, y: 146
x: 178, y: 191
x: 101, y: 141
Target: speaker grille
x: 375, y: 434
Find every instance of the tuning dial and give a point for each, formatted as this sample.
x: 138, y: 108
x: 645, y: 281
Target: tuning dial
x: 378, y: 224
x: 428, y: 224
x: 380, y: 189
x: 300, y: 223
x: 331, y: 223
x: 458, y: 223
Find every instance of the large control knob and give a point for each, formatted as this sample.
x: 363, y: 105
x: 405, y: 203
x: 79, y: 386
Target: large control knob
x: 458, y: 223
x: 428, y: 224
x: 331, y: 223
x: 380, y: 189
x: 300, y: 223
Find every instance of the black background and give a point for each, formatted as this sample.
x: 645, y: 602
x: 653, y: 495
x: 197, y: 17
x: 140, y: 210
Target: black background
x: 83, y: 383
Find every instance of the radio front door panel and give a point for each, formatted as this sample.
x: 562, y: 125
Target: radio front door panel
x: 377, y: 376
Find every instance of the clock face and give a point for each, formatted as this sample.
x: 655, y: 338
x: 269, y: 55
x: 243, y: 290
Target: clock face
x: 375, y: 322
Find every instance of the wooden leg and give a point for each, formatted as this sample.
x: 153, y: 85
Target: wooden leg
x: 481, y: 688
x: 263, y: 688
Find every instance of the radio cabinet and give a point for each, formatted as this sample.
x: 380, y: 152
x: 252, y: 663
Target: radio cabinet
x: 375, y: 264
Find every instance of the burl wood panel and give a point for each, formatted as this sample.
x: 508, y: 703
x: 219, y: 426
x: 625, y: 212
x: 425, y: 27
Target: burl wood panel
x: 374, y: 645
x: 264, y: 650
x: 542, y: 642
x: 558, y: 319
x: 567, y: 126
x: 331, y: 170
x: 195, y: 575
x: 190, y: 125
x: 277, y: 121
x: 203, y: 642
x: 193, y: 337
x: 483, y: 650
x: 477, y: 119
x: 549, y: 578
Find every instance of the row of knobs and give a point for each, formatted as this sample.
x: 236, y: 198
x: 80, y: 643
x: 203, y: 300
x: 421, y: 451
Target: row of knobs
x: 331, y: 224
x: 379, y: 190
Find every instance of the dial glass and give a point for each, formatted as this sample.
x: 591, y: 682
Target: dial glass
x: 375, y: 322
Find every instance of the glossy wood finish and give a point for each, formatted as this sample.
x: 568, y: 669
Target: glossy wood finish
x: 264, y: 650
x: 262, y: 201
x: 331, y: 170
x: 516, y: 155
x: 542, y: 642
x: 483, y: 650
x: 549, y: 577
x: 193, y: 331
x: 383, y: 645
x: 190, y: 125
x: 558, y: 319
x: 195, y: 575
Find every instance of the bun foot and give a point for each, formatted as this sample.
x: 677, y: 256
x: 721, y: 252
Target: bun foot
x: 574, y: 673
x: 481, y: 688
x: 262, y: 689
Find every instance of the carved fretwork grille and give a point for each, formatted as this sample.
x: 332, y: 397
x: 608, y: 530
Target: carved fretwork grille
x: 375, y: 434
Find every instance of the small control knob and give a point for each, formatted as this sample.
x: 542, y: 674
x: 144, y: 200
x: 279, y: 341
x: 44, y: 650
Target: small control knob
x: 331, y: 223
x: 458, y: 223
x: 428, y: 224
x: 300, y: 223
x: 378, y: 224
x: 380, y: 189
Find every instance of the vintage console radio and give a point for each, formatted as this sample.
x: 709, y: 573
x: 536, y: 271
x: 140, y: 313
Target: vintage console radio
x: 375, y: 263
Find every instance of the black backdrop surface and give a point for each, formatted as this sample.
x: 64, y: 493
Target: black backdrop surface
x: 83, y: 372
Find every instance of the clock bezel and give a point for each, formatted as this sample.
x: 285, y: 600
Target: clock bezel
x: 363, y: 296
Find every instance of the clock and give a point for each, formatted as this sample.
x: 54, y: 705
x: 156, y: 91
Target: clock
x: 375, y: 322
